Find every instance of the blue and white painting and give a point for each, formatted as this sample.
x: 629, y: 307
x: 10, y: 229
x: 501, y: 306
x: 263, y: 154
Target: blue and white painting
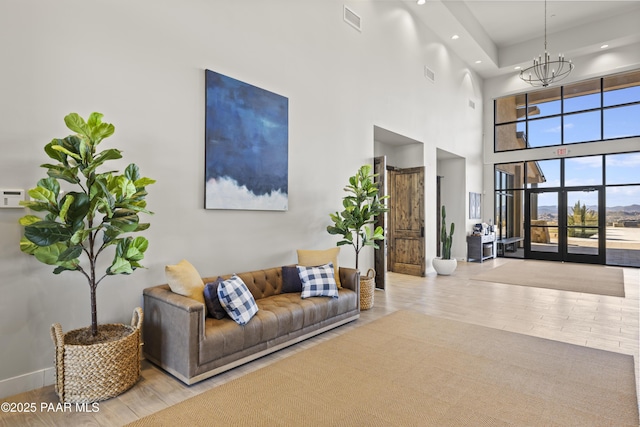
x: 247, y: 143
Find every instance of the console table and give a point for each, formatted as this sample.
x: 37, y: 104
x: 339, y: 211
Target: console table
x: 481, y: 247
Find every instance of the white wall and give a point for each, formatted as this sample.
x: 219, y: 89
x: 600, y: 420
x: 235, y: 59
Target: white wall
x: 453, y: 197
x: 142, y: 64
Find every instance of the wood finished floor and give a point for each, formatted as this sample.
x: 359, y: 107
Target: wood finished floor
x: 607, y: 323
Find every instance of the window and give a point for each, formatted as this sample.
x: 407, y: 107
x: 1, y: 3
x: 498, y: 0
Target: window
x: 594, y: 110
x: 509, y: 217
x: 543, y: 173
x: 581, y: 171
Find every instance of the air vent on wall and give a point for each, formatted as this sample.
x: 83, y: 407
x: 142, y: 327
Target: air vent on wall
x: 472, y: 104
x: 429, y: 74
x: 352, y: 18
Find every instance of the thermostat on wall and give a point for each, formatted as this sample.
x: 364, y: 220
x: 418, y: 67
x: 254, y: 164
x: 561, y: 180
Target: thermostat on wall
x: 11, y: 198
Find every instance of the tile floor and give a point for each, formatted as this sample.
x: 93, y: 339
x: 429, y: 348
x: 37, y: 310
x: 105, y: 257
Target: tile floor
x: 607, y: 323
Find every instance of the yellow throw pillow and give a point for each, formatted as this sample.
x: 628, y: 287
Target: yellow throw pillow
x: 184, y: 279
x: 315, y: 258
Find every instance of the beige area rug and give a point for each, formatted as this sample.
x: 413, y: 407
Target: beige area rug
x: 409, y: 369
x: 564, y: 276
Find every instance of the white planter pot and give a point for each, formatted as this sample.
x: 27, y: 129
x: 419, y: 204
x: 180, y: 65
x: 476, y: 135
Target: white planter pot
x: 445, y: 267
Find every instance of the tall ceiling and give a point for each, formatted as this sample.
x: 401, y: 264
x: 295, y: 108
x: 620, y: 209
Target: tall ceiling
x: 503, y: 34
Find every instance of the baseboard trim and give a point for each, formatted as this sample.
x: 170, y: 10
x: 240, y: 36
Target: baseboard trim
x: 27, y: 382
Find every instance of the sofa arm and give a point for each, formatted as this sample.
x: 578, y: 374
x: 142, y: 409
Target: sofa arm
x: 172, y: 329
x: 350, y: 279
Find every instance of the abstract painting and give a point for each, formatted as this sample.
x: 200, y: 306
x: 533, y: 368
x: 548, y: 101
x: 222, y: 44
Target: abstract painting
x: 246, y: 146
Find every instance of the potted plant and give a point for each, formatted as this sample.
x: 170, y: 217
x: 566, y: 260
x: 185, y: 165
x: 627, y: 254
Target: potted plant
x: 80, y: 224
x: 445, y: 265
x: 361, y: 207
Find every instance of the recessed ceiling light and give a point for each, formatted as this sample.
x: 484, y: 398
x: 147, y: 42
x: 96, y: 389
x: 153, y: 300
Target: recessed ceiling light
x: 478, y: 62
x: 421, y: 2
x: 517, y: 68
x: 455, y: 37
x: 604, y: 46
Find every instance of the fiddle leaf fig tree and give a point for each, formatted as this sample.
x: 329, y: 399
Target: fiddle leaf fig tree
x: 361, y: 207
x: 100, y: 212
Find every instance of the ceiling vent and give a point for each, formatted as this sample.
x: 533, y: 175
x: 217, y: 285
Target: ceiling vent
x: 429, y: 74
x: 472, y: 104
x: 352, y: 18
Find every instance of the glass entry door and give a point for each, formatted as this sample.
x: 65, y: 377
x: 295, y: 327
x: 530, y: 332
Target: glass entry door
x: 565, y: 224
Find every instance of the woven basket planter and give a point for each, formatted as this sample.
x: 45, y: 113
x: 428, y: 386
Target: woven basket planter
x: 367, y: 288
x: 95, y: 372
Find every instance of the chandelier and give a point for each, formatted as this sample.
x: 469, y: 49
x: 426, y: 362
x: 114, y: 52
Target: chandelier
x: 544, y: 71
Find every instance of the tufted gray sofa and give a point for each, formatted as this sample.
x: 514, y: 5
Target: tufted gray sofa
x: 180, y: 339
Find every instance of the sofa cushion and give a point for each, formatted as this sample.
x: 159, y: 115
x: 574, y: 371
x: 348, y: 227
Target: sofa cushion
x: 291, y: 280
x: 214, y: 307
x: 280, y: 318
x: 184, y: 279
x: 237, y: 300
x: 314, y: 258
x: 318, y: 281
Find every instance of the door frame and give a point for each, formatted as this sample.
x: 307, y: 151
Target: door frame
x: 380, y: 254
x: 563, y: 253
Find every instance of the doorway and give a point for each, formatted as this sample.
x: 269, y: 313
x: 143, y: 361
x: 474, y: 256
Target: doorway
x: 574, y: 232
x: 403, y: 251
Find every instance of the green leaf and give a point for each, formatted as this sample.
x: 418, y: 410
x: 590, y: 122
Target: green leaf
x: 77, y: 124
x: 94, y: 119
x: 124, y: 219
x: 132, y: 172
x: 102, y: 131
x: 70, y: 253
x: 62, y: 268
x: 40, y: 193
x: 66, y: 203
x: 140, y: 243
x: 110, y: 233
x: 48, y: 254
x: 133, y: 254
x: 29, y: 219
x: 46, y: 233
x: 86, y: 151
x: 28, y: 247
x: 120, y: 266
x: 62, y: 172
x: 143, y: 182
x: 35, y: 206
x: 79, y: 236
x: 67, y: 152
x: 121, y: 187
x: 97, y: 129
x: 55, y: 154
x: 50, y: 184
x: 103, y: 200
x: 142, y: 226
x: 110, y: 154
x: 78, y: 208
x: 74, y: 143
x: 51, y: 255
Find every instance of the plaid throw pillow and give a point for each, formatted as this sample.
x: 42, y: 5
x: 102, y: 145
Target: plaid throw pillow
x: 318, y: 281
x: 237, y: 300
